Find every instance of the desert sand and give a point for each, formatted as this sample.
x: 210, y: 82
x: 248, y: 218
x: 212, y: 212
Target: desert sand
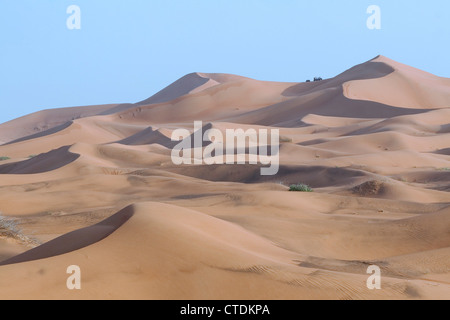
x: 96, y: 187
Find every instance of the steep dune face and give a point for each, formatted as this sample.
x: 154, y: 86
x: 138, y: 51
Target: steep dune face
x: 95, y: 130
x: 364, y: 91
x: 150, y: 136
x: 405, y: 87
x: 191, y: 83
x: 75, y: 240
x: 41, y: 163
x: 217, y: 102
x: 98, y: 188
x: 46, y: 120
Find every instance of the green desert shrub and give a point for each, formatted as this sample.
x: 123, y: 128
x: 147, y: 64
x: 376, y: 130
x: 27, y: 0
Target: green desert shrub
x: 285, y: 139
x: 4, y: 158
x: 300, y: 188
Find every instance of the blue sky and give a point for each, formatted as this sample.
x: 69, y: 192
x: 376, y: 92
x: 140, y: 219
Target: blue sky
x: 126, y: 51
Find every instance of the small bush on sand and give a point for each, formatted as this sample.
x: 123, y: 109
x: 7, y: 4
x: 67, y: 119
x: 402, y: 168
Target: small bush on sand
x: 285, y: 139
x: 4, y: 158
x: 9, y: 229
x: 300, y: 188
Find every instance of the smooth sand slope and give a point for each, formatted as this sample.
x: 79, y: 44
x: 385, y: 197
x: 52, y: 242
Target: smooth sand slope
x: 96, y: 187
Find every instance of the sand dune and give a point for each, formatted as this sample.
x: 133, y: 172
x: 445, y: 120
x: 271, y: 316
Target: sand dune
x: 405, y: 87
x: 96, y: 187
x: 46, y: 120
x: 190, y: 248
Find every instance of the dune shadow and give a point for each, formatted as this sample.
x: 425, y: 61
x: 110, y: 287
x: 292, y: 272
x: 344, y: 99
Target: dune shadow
x: 42, y: 163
